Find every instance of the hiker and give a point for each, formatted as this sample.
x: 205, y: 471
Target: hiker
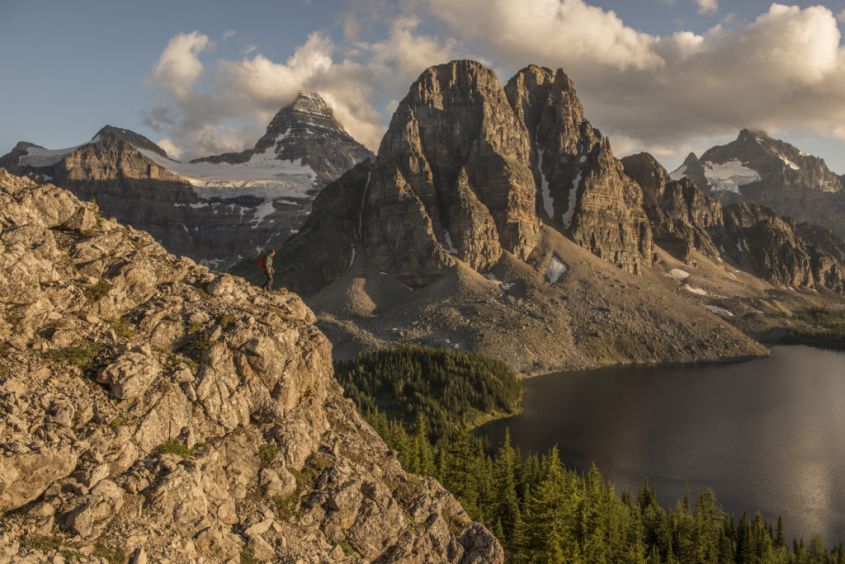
x: 265, y: 262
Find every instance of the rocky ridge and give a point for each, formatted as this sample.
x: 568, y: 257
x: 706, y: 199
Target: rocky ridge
x: 153, y: 408
x: 752, y: 237
x: 769, y: 172
x: 416, y: 247
x: 582, y: 187
x: 217, y: 209
x: 458, y: 177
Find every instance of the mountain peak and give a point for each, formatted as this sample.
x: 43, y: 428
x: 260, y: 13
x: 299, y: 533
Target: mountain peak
x: 310, y: 102
x: 751, y: 134
x: 111, y: 134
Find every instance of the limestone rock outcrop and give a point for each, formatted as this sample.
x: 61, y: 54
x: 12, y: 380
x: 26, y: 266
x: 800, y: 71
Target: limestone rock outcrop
x: 581, y: 186
x: 752, y: 237
x: 681, y: 215
x: 152, y: 408
x: 452, y: 177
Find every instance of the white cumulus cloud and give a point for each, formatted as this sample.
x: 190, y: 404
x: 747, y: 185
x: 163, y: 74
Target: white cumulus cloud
x: 178, y: 68
x: 664, y: 93
x: 785, y: 69
x: 244, y: 94
x: 707, y: 6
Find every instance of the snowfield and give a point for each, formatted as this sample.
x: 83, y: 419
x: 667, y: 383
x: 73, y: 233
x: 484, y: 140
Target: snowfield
x: 555, y: 270
x: 38, y: 157
x: 679, y: 172
x: 679, y: 274
x: 263, y: 175
x: 729, y: 176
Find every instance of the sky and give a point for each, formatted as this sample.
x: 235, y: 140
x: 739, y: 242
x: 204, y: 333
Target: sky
x: 203, y: 77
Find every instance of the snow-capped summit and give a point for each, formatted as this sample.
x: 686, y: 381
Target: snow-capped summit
x: 215, y: 209
x: 755, y: 157
x: 770, y: 172
x: 307, y: 133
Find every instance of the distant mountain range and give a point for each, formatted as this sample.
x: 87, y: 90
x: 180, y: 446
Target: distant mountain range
x: 216, y: 209
x: 494, y: 218
x: 498, y: 219
x: 769, y: 172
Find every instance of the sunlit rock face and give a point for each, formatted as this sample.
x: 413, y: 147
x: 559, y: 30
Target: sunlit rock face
x: 152, y: 406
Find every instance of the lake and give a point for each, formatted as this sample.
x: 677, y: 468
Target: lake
x: 765, y: 435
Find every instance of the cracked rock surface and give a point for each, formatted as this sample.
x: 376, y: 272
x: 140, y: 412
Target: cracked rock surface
x: 155, y: 409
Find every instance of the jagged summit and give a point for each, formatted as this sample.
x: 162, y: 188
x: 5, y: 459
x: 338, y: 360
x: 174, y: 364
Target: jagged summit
x: 770, y: 172
x: 580, y: 185
x: 305, y: 132
x: 110, y: 134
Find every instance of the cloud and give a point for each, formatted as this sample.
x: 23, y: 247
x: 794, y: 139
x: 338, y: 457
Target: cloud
x: 244, y: 94
x: 170, y: 148
x: 785, y: 69
x: 707, y: 6
x: 663, y: 93
x: 566, y: 30
x: 229, y: 33
x: 178, y: 68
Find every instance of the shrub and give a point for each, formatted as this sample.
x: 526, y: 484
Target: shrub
x: 174, y: 446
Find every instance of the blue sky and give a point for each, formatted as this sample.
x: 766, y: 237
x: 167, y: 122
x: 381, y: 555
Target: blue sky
x: 70, y: 67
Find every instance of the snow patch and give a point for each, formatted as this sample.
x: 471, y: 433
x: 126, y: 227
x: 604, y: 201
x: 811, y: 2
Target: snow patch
x: 788, y: 162
x: 261, y: 213
x: 555, y: 270
x: 503, y: 285
x: 352, y: 259
x: 572, y: 201
x: 729, y: 176
x: 277, y: 177
x: 679, y: 274
x: 450, y: 247
x: 696, y: 291
x: 719, y: 310
x: 679, y: 172
x: 548, y: 202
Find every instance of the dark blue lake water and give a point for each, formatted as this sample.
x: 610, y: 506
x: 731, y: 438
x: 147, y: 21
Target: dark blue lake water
x: 765, y: 435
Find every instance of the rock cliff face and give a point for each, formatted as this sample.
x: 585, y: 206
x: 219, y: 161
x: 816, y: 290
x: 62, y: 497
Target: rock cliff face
x: 762, y: 242
x: 453, y: 237
x: 217, y: 209
x: 769, y: 172
x: 752, y: 237
x: 681, y: 215
x: 581, y: 186
x: 154, y: 408
x: 452, y: 176
x: 465, y: 173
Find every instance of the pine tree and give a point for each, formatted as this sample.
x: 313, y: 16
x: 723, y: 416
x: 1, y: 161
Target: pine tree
x: 507, y: 510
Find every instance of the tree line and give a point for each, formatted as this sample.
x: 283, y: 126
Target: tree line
x: 541, y: 511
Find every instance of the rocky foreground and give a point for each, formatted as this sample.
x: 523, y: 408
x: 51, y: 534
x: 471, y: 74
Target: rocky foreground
x: 155, y: 410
